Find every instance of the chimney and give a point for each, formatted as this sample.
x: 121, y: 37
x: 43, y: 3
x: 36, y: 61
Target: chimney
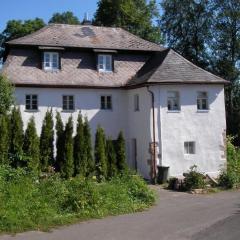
x: 86, y: 20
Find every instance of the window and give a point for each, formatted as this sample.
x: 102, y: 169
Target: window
x: 68, y: 103
x: 189, y: 147
x: 51, y: 61
x: 104, y: 63
x: 173, y: 101
x: 31, y: 102
x: 202, y: 101
x: 106, y: 102
x: 136, y: 102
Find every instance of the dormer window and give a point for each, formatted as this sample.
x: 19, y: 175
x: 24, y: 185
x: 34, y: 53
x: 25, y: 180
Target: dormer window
x: 104, y: 63
x: 51, y: 61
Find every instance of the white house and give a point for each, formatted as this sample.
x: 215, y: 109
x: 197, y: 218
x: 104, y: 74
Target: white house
x: 172, y: 112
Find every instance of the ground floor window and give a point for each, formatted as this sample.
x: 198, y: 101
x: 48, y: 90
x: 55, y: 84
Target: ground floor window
x: 189, y: 148
x: 31, y: 102
x: 68, y: 103
x: 106, y: 102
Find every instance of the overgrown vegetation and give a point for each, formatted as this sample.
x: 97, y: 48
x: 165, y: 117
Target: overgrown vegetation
x: 230, y: 177
x: 28, y: 202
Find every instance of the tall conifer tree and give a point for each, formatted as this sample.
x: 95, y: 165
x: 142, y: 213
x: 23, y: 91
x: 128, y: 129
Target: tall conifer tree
x: 31, y: 146
x: 80, y: 161
x: 16, y: 137
x: 4, y: 139
x: 111, y: 158
x: 59, y: 142
x: 88, y: 153
x: 100, y: 154
x: 67, y: 169
x: 46, y: 142
x: 120, y: 153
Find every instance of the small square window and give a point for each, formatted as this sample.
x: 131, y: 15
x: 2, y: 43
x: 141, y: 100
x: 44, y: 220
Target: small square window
x: 51, y: 61
x: 68, y: 103
x: 189, y: 148
x: 136, y: 103
x: 173, y: 101
x: 202, y: 101
x: 106, y: 102
x: 105, y: 63
x: 31, y: 102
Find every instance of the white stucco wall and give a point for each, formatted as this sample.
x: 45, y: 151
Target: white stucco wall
x: 172, y: 129
x: 205, y: 128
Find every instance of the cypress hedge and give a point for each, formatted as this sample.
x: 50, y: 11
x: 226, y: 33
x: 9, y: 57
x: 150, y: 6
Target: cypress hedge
x: 111, y: 158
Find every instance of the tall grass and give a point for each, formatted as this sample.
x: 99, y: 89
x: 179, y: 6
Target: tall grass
x: 27, y: 203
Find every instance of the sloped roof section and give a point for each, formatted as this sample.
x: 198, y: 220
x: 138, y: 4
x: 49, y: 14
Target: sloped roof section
x: 168, y: 67
x: 86, y: 36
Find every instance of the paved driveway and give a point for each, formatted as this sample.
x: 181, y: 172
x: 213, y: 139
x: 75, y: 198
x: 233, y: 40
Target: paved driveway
x: 177, y: 216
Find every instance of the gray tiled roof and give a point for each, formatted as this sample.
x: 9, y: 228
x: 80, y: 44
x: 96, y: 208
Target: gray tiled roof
x: 86, y: 36
x: 78, y: 69
x: 168, y: 67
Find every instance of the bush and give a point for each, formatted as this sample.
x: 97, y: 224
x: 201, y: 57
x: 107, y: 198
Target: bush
x: 28, y: 203
x: 194, y: 179
x: 230, y: 177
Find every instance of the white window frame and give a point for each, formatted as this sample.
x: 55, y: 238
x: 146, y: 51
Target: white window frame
x: 103, y: 66
x: 200, y: 100
x: 67, y: 104
x: 136, y: 103
x: 173, y: 101
x: 104, y: 104
x: 48, y: 64
x: 189, y: 148
x: 31, y: 102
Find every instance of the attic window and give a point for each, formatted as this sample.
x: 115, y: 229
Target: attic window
x: 51, y: 61
x: 104, y: 63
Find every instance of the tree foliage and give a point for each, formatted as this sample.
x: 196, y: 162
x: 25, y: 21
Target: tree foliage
x: 31, y: 146
x: 16, y: 137
x: 67, y: 169
x: 120, y: 153
x: 6, y: 94
x: 19, y: 28
x: 46, y: 142
x: 64, y: 18
x: 186, y: 25
x: 225, y: 47
x: 100, y: 154
x: 136, y: 16
x: 59, y: 142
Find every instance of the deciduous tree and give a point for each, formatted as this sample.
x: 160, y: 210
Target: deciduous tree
x: 64, y: 18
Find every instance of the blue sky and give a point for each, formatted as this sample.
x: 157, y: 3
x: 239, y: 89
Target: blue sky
x: 29, y: 9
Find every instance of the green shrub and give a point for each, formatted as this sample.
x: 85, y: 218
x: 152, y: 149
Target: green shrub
x: 230, y: 177
x: 28, y: 203
x: 194, y: 179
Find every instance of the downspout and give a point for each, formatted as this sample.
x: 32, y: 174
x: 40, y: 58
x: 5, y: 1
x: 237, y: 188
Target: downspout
x: 154, y: 136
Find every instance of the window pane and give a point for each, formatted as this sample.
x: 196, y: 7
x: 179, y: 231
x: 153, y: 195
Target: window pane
x: 102, y: 102
x: 189, y: 147
x: 108, y: 63
x: 109, y: 102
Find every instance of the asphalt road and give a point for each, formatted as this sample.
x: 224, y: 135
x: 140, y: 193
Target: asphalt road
x: 177, y: 216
